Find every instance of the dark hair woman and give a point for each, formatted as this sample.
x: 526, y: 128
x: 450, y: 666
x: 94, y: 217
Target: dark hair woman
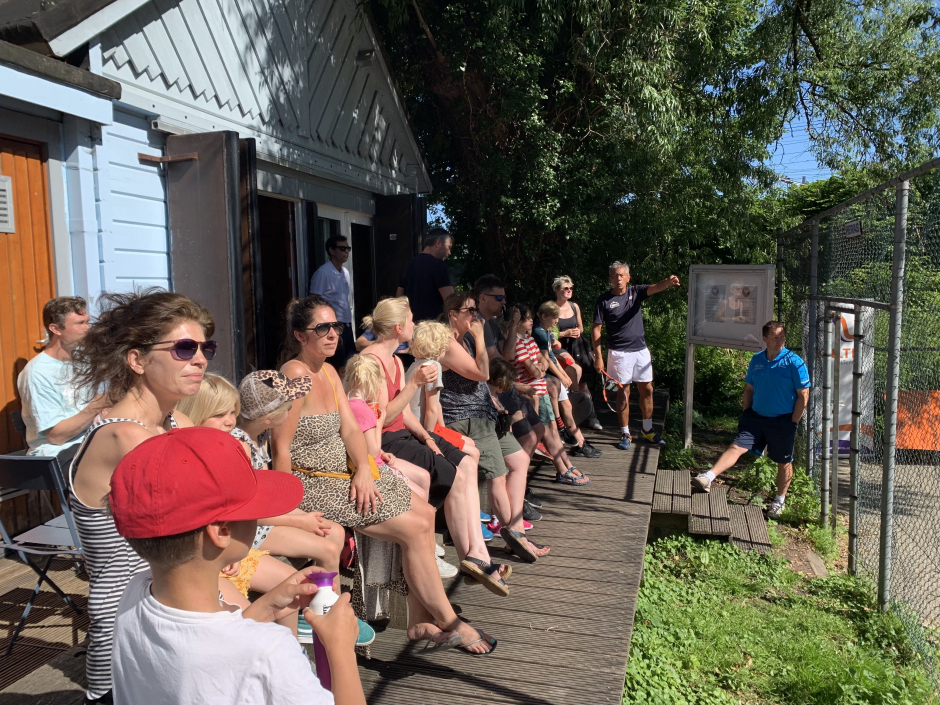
x: 468, y: 409
x: 321, y: 431
x: 147, y: 350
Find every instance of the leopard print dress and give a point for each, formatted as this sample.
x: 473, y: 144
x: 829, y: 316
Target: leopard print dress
x: 317, y: 446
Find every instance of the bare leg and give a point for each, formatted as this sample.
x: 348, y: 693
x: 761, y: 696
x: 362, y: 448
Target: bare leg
x: 411, y: 530
x: 623, y: 406
x: 729, y: 458
x: 646, y: 399
x: 784, y: 476
x: 462, y: 512
x: 292, y: 542
x: 499, y: 499
x: 574, y: 374
x: 518, y: 465
x: 557, y: 449
x: 418, y: 478
x: 528, y: 442
x: 553, y: 386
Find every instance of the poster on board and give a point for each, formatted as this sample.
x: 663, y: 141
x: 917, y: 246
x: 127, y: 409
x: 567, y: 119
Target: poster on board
x: 729, y: 305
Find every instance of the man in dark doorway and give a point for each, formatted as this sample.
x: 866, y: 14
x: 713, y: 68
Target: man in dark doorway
x: 628, y: 358
x: 331, y: 281
x: 426, y: 281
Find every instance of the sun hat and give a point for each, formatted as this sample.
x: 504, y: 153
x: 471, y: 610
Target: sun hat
x: 188, y: 478
x: 263, y: 391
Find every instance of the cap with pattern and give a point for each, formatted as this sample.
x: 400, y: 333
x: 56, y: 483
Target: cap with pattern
x: 263, y: 391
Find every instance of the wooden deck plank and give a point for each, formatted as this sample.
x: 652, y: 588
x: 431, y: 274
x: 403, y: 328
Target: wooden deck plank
x: 578, y: 601
x: 710, y: 513
x: 750, y: 528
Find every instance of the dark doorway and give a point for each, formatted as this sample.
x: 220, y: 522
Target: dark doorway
x: 278, y: 271
x: 363, y: 272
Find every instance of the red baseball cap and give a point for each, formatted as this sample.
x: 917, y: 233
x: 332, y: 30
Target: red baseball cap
x: 188, y: 478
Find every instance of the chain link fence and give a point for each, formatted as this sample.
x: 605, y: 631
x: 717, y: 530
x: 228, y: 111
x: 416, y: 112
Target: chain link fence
x: 871, y: 437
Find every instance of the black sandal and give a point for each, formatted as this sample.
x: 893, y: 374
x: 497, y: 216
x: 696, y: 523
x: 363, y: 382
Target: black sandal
x: 513, y: 540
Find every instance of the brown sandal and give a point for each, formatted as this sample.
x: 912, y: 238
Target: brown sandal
x: 484, y: 574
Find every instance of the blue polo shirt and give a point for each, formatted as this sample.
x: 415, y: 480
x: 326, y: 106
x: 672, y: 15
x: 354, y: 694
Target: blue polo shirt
x: 333, y: 285
x: 776, y: 382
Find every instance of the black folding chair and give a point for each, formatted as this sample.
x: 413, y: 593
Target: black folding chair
x: 57, y: 537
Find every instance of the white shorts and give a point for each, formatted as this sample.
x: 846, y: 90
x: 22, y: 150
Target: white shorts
x: 626, y: 367
x: 562, y: 393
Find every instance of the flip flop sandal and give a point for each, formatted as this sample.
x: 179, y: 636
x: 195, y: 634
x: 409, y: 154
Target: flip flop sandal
x: 513, y: 539
x: 483, y: 637
x: 505, y: 572
x: 568, y: 479
x: 449, y: 643
x: 536, y: 546
x: 484, y: 573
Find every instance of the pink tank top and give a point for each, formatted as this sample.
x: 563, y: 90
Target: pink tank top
x: 394, y: 389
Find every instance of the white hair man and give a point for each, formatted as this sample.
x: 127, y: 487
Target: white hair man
x: 628, y: 358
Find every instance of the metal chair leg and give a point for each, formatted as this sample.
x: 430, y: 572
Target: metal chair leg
x: 29, y: 603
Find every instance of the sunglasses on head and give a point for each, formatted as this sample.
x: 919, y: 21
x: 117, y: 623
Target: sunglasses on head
x: 321, y: 329
x: 343, y: 248
x: 185, y: 348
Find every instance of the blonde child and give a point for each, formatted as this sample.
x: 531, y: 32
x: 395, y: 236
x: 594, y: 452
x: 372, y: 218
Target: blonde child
x: 362, y: 382
x: 428, y: 345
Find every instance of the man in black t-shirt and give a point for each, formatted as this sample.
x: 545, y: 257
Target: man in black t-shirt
x: 426, y: 280
x: 628, y: 358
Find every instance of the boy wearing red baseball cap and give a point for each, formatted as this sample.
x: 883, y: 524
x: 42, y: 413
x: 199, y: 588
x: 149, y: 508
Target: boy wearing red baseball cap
x: 188, y: 502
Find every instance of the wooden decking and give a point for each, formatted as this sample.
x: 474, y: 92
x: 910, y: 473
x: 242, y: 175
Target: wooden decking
x: 564, y: 632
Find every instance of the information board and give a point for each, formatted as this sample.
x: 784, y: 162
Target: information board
x: 729, y: 305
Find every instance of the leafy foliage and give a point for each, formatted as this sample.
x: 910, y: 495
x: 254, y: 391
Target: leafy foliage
x: 715, y: 625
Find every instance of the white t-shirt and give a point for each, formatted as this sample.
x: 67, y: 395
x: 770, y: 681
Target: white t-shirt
x: 48, y: 395
x: 166, y: 656
x: 433, y: 388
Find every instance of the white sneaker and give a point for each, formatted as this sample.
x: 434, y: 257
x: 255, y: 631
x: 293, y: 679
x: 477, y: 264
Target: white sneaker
x: 438, y: 550
x: 595, y: 424
x: 776, y: 509
x: 446, y: 569
x: 701, y: 482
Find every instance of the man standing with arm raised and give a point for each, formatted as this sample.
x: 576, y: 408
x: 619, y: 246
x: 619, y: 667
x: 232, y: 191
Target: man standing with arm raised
x: 628, y: 358
x: 426, y: 281
x: 776, y: 391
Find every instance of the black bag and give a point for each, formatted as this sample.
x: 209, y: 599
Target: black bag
x: 580, y: 350
x: 503, y: 424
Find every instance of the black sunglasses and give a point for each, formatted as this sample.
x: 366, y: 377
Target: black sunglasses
x: 185, y: 348
x: 343, y: 248
x: 321, y: 329
x: 498, y: 297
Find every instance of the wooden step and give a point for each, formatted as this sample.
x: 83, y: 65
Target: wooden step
x: 749, y: 529
x: 673, y: 492
x: 710, y: 513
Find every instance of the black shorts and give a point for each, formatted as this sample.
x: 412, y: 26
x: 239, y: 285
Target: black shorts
x: 346, y: 348
x: 513, y: 401
x: 776, y: 434
x: 442, y: 468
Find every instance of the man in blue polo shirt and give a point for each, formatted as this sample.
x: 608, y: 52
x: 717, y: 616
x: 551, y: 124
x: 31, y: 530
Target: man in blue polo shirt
x: 776, y: 391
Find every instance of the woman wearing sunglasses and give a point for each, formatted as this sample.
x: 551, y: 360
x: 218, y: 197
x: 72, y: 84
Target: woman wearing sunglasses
x: 148, y: 350
x: 469, y: 409
x: 322, y: 443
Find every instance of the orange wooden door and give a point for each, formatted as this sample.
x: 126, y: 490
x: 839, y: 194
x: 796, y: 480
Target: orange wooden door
x: 26, y: 277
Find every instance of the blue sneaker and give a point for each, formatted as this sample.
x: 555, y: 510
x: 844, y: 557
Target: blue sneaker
x: 485, y: 518
x: 624, y: 443
x: 653, y: 437
x: 366, y: 634
x: 487, y: 534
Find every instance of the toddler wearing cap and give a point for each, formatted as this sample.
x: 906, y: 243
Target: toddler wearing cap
x: 188, y: 502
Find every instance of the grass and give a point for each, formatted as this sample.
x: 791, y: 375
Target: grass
x: 716, y: 625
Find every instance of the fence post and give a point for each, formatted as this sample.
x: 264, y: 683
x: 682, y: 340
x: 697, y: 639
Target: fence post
x: 779, y: 274
x: 813, y: 314
x: 836, y: 361
x: 689, y: 393
x: 858, y: 335
x: 826, y: 421
x: 891, y: 402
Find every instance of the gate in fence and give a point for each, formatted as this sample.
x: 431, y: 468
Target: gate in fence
x: 859, y: 288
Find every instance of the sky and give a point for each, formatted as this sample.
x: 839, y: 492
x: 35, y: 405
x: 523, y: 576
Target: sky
x: 791, y: 156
